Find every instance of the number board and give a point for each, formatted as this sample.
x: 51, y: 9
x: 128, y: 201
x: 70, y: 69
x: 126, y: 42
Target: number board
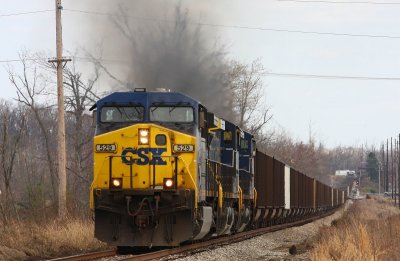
x: 183, y: 148
x: 106, y: 147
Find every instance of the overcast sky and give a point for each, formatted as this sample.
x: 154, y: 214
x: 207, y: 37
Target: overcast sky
x: 338, y: 111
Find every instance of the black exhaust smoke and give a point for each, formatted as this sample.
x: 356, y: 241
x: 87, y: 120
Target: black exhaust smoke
x: 166, y: 49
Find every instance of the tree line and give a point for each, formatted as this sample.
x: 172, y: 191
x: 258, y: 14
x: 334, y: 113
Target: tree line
x: 179, y: 58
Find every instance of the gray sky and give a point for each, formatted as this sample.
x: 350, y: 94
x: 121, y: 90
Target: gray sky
x: 338, y: 111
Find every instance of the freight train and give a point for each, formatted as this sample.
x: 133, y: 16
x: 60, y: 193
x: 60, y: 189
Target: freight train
x: 168, y: 171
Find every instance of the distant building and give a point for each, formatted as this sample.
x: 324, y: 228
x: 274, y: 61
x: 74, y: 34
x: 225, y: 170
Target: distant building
x: 345, y: 172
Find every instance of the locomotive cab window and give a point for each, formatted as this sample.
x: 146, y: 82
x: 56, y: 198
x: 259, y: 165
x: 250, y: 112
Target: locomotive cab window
x: 228, y: 137
x: 121, y: 114
x: 244, y: 144
x: 172, y: 114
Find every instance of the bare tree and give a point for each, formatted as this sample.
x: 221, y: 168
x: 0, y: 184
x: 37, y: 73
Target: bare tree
x: 80, y: 95
x: 249, y: 99
x: 29, y: 90
x: 12, y: 125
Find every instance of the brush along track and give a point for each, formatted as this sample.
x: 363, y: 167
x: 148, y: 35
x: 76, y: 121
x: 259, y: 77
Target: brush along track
x: 196, y: 246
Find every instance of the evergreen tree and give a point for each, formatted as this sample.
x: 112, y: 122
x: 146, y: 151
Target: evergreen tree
x: 372, y: 167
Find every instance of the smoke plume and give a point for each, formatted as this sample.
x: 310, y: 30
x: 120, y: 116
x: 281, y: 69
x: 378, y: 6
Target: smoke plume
x: 167, y: 50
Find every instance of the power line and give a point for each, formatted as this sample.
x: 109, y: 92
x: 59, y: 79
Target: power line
x: 321, y: 76
x: 298, y: 1
x: 297, y: 75
x: 9, y: 61
x: 76, y: 58
x: 19, y: 60
x: 80, y: 58
x: 333, y: 77
x: 341, y: 2
x: 25, y: 13
x: 90, y: 59
x: 239, y: 26
x: 302, y: 32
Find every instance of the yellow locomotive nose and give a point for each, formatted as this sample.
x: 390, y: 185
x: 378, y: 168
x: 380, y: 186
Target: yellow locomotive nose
x: 145, y: 156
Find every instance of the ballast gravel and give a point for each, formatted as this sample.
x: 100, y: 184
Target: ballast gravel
x: 287, y: 244
x: 272, y: 246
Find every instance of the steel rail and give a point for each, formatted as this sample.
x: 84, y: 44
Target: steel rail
x: 195, y: 246
x: 220, y: 241
x: 88, y: 256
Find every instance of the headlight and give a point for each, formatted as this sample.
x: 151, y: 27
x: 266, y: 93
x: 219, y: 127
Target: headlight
x: 144, y: 140
x: 116, y: 183
x: 144, y: 132
x: 168, y: 183
x: 144, y: 136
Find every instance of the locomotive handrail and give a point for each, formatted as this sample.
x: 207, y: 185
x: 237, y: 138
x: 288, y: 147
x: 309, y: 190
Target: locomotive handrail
x: 217, y: 162
x: 215, y: 175
x: 191, y: 178
x: 95, y: 178
x: 255, y: 193
x: 250, y: 158
x: 217, y: 179
x: 176, y: 173
x: 240, y: 198
x: 175, y: 176
x: 130, y: 169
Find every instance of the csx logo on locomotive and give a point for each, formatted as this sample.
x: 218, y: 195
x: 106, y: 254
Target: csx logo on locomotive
x: 143, y: 154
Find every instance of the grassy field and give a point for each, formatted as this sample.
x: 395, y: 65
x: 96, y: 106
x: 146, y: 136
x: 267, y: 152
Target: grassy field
x: 29, y: 241
x: 369, y: 230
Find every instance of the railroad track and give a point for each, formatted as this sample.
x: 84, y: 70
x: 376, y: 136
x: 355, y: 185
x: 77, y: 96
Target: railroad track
x: 89, y: 256
x: 195, y: 247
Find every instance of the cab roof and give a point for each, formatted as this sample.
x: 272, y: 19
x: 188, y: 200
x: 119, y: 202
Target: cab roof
x: 145, y: 99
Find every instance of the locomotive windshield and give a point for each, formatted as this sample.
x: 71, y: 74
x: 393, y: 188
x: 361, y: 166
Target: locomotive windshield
x: 171, y: 114
x: 122, y: 114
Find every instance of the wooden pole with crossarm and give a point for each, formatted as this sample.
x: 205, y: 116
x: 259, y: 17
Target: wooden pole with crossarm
x: 61, y: 145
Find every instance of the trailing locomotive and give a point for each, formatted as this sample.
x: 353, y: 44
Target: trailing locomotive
x: 166, y: 171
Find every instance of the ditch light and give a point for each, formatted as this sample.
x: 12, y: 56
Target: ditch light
x: 116, y: 183
x: 168, y: 183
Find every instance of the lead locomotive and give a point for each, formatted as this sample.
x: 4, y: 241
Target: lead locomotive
x: 167, y: 171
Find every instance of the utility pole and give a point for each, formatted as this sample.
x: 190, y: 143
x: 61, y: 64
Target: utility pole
x: 379, y: 178
x: 387, y: 165
x: 391, y: 163
x: 61, y: 152
x: 395, y: 172
x: 398, y: 166
x: 382, y: 166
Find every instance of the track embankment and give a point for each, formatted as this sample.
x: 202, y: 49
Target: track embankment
x: 292, y: 243
x: 370, y: 230
x: 248, y: 245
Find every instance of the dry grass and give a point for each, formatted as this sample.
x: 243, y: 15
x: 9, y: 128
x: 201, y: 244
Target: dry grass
x: 28, y: 241
x: 370, y: 230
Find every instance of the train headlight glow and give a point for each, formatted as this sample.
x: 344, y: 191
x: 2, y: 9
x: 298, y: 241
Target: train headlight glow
x: 144, y: 140
x: 116, y: 183
x: 144, y: 132
x: 168, y: 183
x: 144, y: 136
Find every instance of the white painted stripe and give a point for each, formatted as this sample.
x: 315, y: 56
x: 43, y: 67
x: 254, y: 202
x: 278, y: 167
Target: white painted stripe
x: 287, y: 187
